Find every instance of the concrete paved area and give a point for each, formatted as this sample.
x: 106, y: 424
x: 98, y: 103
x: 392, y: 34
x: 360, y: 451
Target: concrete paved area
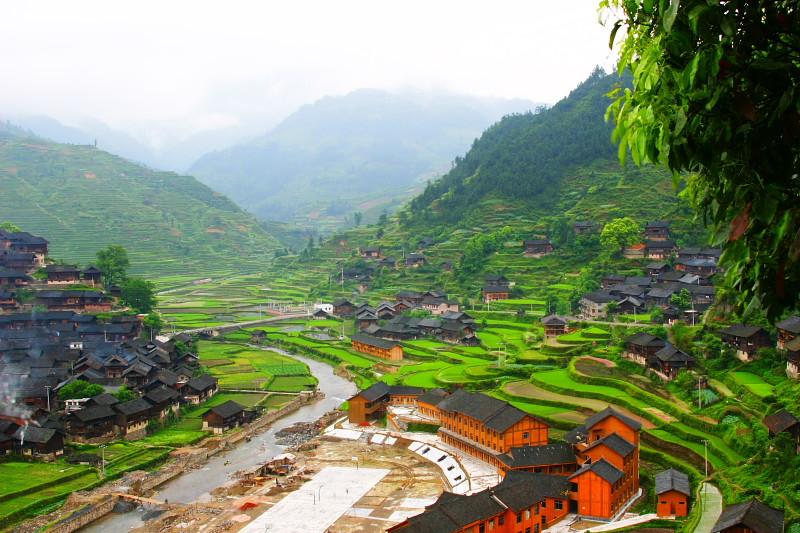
x: 711, y: 500
x: 317, y: 504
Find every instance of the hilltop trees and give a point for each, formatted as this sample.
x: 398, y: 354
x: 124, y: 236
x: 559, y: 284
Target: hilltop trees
x: 9, y: 226
x: 139, y: 294
x: 715, y: 94
x: 113, y: 262
x: 619, y: 233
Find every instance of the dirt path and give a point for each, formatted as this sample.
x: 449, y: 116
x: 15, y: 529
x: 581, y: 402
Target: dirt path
x: 529, y: 390
x: 604, y: 362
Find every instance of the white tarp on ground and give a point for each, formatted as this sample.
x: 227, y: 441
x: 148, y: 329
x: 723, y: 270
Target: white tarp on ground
x: 317, y: 504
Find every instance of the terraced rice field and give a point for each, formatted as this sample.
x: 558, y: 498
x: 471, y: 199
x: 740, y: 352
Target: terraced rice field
x: 754, y: 384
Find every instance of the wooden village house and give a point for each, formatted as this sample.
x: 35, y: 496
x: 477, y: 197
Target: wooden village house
x: 223, y: 417
x: 673, y: 492
x: 751, y: 516
x: 745, y: 340
x: 537, y: 247
x: 376, y: 347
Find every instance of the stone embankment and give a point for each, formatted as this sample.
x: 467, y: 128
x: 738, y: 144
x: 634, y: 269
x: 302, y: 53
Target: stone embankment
x: 84, y: 508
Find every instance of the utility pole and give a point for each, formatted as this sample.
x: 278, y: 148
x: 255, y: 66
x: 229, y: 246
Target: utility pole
x: 103, y: 460
x: 47, y: 388
x: 699, y: 395
x: 705, y: 443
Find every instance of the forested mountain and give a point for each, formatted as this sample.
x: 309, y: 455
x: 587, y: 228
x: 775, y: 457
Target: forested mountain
x: 358, y: 152
x: 82, y: 199
x: 526, y: 156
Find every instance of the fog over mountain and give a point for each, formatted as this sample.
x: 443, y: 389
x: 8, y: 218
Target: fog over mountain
x: 341, y: 150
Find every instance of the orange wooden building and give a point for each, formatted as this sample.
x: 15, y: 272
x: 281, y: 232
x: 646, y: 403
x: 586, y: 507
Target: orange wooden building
x: 523, y: 501
x: 608, y: 445
x: 484, y: 426
x: 378, y: 347
x: 673, y: 492
x: 371, y: 403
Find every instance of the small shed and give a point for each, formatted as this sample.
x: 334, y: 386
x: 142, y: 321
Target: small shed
x: 673, y: 491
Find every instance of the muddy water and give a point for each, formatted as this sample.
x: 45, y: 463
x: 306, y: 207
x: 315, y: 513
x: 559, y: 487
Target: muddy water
x: 195, y: 485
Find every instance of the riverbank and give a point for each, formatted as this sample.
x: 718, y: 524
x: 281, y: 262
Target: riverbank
x: 82, y: 508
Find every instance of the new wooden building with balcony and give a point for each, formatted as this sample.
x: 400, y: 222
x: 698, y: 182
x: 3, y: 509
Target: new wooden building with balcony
x: 377, y: 347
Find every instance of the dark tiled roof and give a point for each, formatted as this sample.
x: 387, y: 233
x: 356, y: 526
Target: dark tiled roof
x: 202, y: 383
x: 645, y: 339
x: 791, y: 324
x: 616, y: 444
x: 555, y: 453
x: 495, y: 414
x: 752, y: 514
x: 600, y: 297
x: 62, y: 268
x: 402, y: 390
x: 376, y: 391
x: 34, y: 434
x: 608, y: 411
x: 602, y: 468
x: 374, y: 341
x: 433, y: 396
x: 554, y: 320
x: 227, y: 409
x: 741, y: 330
x: 673, y: 480
x: 133, y: 407
x: 90, y: 414
x: 521, y: 490
x: 670, y: 354
x: 780, y: 421
x: 658, y: 224
x: 161, y: 395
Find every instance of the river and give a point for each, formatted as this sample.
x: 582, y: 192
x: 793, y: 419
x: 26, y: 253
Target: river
x: 196, y: 485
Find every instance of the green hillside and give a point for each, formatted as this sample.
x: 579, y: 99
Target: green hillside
x: 82, y: 199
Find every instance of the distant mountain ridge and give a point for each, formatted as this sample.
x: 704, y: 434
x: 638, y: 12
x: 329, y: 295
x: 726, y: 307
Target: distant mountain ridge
x: 527, y: 156
x: 83, y: 199
x: 335, y: 153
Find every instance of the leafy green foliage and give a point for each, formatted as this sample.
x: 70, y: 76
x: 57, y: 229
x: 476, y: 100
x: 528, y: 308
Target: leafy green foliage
x: 8, y: 226
x: 619, y: 233
x: 79, y: 389
x: 479, y: 247
x: 715, y: 93
x: 153, y: 322
x: 139, y: 294
x: 124, y: 394
x: 681, y: 300
x: 113, y: 262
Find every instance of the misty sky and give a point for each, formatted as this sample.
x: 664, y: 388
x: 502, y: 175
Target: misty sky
x: 166, y: 69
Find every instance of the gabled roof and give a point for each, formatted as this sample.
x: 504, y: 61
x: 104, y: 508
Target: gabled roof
x: 495, y: 414
x: 161, y: 395
x: 780, y: 421
x: 645, y: 339
x: 741, y: 330
x: 433, y: 396
x: 374, y: 392
x: 202, y: 383
x: 104, y: 399
x: 227, y: 409
x: 602, y: 468
x: 673, y: 480
x: 790, y: 324
x: 554, y: 320
x: 615, y: 443
x: 374, y: 341
x: 751, y: 514
x: 70, y: 269
x: 657, y: 224
x: 91, y: 414
x: 607, y: 412
x: 341, y: 301
x: 133, y: 407
x: 670, y: 354
x: 600, y: 297
x: 33, y: 434
x: 555, y: 453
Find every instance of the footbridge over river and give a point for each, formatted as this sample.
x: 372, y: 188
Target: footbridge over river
x: 222, y: 328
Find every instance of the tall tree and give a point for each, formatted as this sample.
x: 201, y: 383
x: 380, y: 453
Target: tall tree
x: 715, y: 95
x: 10, y: 226
x: 113, y: 262
x: 139, y: 294
x: 619, y: 233
x: 358, y: 216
